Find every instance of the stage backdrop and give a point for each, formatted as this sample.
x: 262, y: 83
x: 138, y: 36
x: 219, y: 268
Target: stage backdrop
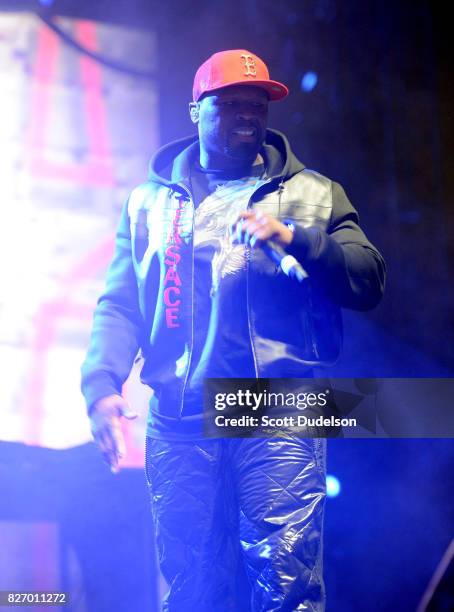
x: 75, y: 137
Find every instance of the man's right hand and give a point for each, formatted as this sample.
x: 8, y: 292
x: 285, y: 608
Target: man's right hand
x: 106, y: 429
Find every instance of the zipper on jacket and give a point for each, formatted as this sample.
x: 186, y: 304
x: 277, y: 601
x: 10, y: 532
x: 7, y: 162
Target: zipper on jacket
x: 248, y: 265
x: 254, y: 358
x: 145, y: 465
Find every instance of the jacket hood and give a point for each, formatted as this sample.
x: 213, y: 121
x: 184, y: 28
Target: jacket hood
x: 170, y: 164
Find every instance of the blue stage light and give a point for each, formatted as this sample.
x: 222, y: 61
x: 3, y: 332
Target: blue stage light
x: 333, y: 486
x: 46, y: 2
x: 309, y: 81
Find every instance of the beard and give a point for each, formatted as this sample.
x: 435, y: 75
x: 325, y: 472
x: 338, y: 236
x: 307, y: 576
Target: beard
x: 242, y: 150
x: 227, y: 148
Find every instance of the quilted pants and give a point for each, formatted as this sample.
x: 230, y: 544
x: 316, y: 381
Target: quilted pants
x: 238, y: 523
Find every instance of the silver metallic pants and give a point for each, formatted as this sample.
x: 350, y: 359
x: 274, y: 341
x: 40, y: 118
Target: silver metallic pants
x: 238, y: 523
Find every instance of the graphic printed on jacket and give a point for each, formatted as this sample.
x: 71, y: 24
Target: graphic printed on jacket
x: 212, y: 219
x: 172, y: 280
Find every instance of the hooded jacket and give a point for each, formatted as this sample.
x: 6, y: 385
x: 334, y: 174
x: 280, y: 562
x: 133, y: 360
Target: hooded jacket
x: 148, y: 301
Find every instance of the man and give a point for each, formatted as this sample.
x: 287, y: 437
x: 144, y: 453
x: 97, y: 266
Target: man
x: 192, y: 286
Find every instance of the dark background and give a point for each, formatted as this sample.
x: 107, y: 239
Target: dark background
x: 379, y: 121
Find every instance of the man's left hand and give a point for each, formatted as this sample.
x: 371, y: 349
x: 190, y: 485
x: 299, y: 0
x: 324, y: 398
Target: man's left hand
x: 253, y: 226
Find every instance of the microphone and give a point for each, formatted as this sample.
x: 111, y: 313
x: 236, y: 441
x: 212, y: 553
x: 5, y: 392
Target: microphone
x: 288, y: 264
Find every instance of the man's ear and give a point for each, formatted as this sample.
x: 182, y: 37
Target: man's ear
x: 194, y: 111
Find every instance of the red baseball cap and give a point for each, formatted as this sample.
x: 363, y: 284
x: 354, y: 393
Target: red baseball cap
x: 235, y: 67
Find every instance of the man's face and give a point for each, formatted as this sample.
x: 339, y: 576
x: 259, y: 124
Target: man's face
x: 232, y: 123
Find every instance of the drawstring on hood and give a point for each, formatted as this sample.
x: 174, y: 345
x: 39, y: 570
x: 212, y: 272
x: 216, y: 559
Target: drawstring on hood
x: 280, y: 190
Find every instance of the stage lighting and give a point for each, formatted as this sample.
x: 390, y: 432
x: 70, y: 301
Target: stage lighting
x: 309, y: 81
x: 333, y: 486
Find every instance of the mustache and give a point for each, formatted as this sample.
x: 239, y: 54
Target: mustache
x: 246, y: 125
